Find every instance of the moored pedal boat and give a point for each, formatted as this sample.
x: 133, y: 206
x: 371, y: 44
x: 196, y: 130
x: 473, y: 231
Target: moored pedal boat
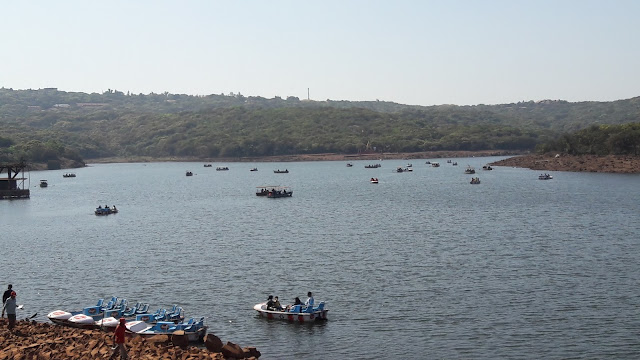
x: 193, y: 330
x: 296, y: 313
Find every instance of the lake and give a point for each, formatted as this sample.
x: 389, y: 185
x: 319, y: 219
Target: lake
x: 421, y: 265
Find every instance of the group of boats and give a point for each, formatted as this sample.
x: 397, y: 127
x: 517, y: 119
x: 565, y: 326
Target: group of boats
x: 106, y: 210
x: 138, y: 319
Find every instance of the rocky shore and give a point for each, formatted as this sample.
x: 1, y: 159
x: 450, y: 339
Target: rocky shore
x: 31, y: 340
x: 622, y: 164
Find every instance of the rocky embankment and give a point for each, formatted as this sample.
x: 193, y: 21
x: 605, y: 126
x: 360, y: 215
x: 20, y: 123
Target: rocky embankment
x: 44, y: 341
x: 623, y: 164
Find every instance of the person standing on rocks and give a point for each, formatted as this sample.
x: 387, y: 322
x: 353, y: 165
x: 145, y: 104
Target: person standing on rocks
x: 118, y: 338
x: 10, y: 307
x: 6, y: 295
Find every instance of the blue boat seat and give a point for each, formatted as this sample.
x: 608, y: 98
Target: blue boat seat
x: 308, y: 309
x: 176, y: 314
x: 183, y: 326
x: 320, y: 307
x: 143, y: 309
x: 129, y: 313
x: 295, y: 308
x: 160, y: 315
x: 100, y: 301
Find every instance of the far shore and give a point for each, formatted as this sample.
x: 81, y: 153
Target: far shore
x: 312, y: 157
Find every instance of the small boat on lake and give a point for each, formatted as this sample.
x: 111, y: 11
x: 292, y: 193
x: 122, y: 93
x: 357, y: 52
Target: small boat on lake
x: 279, y: 192
x: 263, y: 190
x: 349, y: 165
x: 374, y: 180
x: 106, y: 210
x: 487, y: 167
x: 189, y: 173
x: 43, y: 183
x: 285, y: 171
x: 208, y: 165
x: 294, y: 313
x: 193, y: 330
x: 68, y: 175
x: 435, y: 164
x: 469, y: 170
x: 545, y: 177
x: 475, y: 181
x: 372, y: 166
x: 253, y: 169
x: 222, y: 168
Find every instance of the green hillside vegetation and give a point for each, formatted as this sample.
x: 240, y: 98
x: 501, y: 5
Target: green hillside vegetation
x: 598, y: 140
x: 50, y: 125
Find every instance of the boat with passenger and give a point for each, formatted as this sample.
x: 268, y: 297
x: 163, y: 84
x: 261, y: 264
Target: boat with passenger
x: 545, y: 177
x: 222, y: 168
x: 285, y: 171
x: 189, y: 173
x: 68, y: 175
x: 279, y: 192
x: 264, y: 189
x: 106, y: 210
x: 372, y: 166
x: 253, y: 169
x: 43, y: 183
x: 475, y: 181
x: 487, y: 167
x: 208, y: 165
x: 349, y: 165
x: 435, y: 164
x: 374, y: 180
x: 469, y: 170
x: 294, y: 313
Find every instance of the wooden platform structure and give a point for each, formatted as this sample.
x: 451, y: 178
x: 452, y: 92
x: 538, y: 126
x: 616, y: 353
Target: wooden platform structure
x: 13, y: 185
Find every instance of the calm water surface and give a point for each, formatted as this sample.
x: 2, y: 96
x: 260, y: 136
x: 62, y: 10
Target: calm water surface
x: 422, y: 265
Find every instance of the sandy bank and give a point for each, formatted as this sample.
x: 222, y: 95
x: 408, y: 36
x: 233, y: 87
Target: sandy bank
x: 33, y: 340
x: 623, y: 164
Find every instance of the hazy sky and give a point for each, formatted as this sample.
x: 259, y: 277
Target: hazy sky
x: 410, y: 52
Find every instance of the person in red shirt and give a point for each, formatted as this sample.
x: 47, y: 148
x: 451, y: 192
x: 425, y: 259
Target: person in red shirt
x: 118, y: 338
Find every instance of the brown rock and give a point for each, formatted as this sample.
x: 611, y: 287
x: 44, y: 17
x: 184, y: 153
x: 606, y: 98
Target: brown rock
x: 178, y: 338
x: 231, y: 350
x: 213, y: 343
x: 253, y: 352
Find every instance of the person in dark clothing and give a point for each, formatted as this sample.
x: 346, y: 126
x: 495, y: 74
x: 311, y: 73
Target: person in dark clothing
x: 6, y: 295
x: 297, y: 301
x: 270, y: 303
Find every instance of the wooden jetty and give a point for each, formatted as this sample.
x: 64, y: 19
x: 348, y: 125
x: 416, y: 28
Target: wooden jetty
x: 13, y: 185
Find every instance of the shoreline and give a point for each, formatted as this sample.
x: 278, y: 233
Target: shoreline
x: 33, y: 339
x: 615, y: 164
x: 313, y: 157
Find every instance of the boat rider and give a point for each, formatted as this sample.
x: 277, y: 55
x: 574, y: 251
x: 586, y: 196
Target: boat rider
x: 309, y: 301
x: 276, y: 304
x: 114, y: 208
x: 270, y: 303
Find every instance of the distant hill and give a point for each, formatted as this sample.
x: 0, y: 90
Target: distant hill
x: 49, y: 124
